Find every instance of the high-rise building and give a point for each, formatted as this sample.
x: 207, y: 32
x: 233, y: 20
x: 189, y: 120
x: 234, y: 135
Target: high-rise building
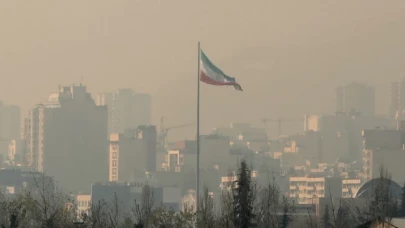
x: 355, y: 97
x: 9, y: 122
x: 132, y: 154
x: 126, y: 109
x: 397, y: 107
x: 341, y: 133
x: 67, y: 138
x: 384, y: 148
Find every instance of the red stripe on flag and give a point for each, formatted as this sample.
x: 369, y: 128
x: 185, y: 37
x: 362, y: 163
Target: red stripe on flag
x: 204, y: 78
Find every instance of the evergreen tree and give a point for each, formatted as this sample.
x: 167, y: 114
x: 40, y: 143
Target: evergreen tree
x: 326, y: 217
x: 286, y: 217
x: 402, y: 205
x: 243, y: 198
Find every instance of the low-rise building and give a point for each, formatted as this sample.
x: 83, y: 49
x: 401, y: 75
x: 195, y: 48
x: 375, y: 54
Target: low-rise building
x: 126, y: 194
x: 83, y: 204
x: 309, y: 188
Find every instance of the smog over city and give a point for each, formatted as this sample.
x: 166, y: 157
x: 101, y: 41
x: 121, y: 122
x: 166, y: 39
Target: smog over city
x: 179, y: 113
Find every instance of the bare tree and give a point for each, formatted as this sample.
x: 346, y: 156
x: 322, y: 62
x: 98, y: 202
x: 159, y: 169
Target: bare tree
x: 49, y: 205
x: 98, y: 215
x: 269, y: 204
x: 205, y: 211
x: 143, y: 212
x: 226, y: 210
x: 288, y: 211
x: 311, y: 222
x: 13, y: 211
x: 114, y: 213
x: 326, y: 217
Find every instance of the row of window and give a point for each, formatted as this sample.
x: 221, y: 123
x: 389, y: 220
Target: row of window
x: 83, y: 203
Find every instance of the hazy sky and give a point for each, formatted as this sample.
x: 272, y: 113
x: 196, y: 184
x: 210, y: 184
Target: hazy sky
x: 288, y: 55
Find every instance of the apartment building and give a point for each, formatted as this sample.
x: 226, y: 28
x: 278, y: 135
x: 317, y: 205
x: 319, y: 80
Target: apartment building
x: 132, y: 154
x: 227, y: 182
x: 384, y: 148
x: 397, y: 106
x: 10, y: 118
x: 339, y: 135
x: 174, y: 160
x: 126, y: 194
x: 66, y: 137
x: 126, y: 109
x: 307, y: 189
x: 356, y: 97
x: 83, y: 204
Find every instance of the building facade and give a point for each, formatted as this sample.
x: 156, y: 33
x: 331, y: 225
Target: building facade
x: 132, y: 154
x: 306, y: 190
x: 397, y: 106
x: 83, y: 204
x: 66, y: 137
x: 126, y: 109
x: 356, y: 97
x: 341, y: 133
x: 384, y: 148
x: 10, y: 118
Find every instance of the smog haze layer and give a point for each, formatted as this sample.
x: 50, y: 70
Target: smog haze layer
x: 288, y: 56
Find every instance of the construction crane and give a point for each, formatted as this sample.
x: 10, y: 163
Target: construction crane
x: 279, y: 122
x: 163, y: 131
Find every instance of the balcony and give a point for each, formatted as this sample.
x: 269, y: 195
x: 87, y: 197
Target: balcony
x: 302, y: 187
x: 292, y: 187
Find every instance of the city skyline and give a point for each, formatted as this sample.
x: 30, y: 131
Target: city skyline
x: 307, y: 54
x: 132, y: 113
x: 188, y: 132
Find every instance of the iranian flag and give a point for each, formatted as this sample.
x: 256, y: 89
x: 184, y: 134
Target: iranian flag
x: 212, y: 75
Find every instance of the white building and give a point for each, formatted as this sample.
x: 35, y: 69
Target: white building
x: 306, y: 190
x: 83, y: 204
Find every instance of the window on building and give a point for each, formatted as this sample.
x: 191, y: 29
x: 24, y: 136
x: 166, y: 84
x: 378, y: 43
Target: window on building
x: 114, y: 171
x: 114, y: 155
x: 114, y: 163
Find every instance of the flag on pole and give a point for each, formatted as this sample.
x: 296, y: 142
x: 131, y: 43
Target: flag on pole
x: 210, y: 74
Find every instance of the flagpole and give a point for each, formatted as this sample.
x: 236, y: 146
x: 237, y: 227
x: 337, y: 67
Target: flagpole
x: 198, y: 129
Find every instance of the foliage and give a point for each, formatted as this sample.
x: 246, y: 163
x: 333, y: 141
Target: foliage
x: 326, y: 217
x: 242, y: 205
x: 402, y: 204
x: 286, y: 218
x: 243, y: 198
x: 205, y: 211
